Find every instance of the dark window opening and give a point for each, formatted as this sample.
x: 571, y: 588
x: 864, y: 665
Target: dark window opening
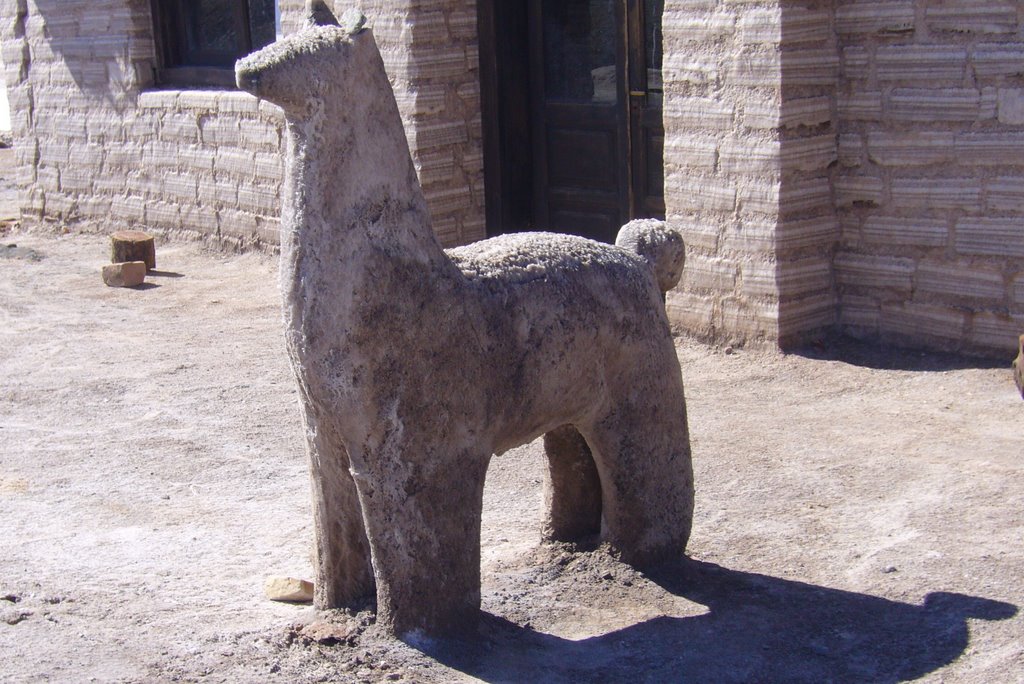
x: 199, y: 40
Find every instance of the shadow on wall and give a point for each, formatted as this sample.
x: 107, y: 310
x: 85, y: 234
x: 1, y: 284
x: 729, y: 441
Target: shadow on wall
x: 757, y: 628
x: 99, y: 49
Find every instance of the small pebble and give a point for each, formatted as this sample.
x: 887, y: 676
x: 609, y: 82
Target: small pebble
x: 889, y: 569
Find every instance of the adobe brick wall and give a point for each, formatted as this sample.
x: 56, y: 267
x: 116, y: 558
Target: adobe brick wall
x: 749, y: 140
x: 930, y: 186
x: 850, y: 162
x: 99, y: 146
x: 430, y: 52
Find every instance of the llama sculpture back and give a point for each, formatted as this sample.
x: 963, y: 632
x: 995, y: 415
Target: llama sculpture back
x: 416, y: 365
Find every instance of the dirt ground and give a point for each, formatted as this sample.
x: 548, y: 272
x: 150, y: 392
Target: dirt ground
x: 859, y: 510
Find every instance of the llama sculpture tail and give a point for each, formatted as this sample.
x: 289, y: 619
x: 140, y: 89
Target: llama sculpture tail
x: 661, y: 246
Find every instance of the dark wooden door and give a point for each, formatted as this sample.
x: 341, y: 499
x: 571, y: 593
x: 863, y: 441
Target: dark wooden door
x: 580, y: 137
x: 572, y: 114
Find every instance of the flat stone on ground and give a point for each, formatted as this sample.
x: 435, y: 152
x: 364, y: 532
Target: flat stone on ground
x: 288, y: 589
x: 125, y: 274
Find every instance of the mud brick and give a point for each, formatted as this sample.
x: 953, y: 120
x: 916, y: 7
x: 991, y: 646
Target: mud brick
x: 850, y: 151
x: 996, y: 332
x: 686, y: 67
x: 892, y: 231
x: 973, y: 16
x: 850, y: 190
x: 180, y: 186
x: 709, y: 273
x: 692, y: 151
x: 998, y: 59
x: 856, y: 63
x: 875, y: 272
x: 698, y: 234
x: 929, y: 105
x: 860, y: 106
x: 809, y: 67
x: 941, y: 326
x: 237, y: 102
x: 124, y: 274
x: 808, y: 154
x: 799, y: 196
x: 910, y: 149
x: 803, y: 277
x: 447, y: 201
x: 991, y: 236
x: 807, y: 313
x: 816, y: 232
x: 916, y: 63
x: 756, y: 319
x: 162, y: 214
x: 689, y: 113
x: 179, y: 128
x: 758, y: 196
x: 756, y: 68
x: 808, y: 111
x: 1006, y: 193
x: 423, y: 100
x: 875, y: 17
x: 685, y: 27
x: 749, y: 156
x: 700, y: 195
x: 1011, y: 106
x: 860, y: 312
x: 758, y: 279
x: 429, y: 136
x: 269, y: 166
x: 937, y: 193
x: 990, y: 149
x: 961, y: 281
x: 236, y: 162
x: 160, y: 100
x: 690, y: 311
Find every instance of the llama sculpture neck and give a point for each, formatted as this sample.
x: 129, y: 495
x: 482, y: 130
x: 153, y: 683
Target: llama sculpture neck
x: 350, y: 187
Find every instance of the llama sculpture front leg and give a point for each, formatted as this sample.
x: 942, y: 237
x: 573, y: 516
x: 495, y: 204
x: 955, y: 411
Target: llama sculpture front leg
x: 344, y: 576
x: 422, y: 504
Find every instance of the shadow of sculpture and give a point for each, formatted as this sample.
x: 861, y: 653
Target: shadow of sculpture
x: 757, y: 629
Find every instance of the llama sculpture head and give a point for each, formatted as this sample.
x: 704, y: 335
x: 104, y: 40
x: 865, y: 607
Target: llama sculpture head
x: 303, y: 68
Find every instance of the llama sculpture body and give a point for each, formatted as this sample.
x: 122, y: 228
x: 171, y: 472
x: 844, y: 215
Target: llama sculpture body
x: 416, y: 365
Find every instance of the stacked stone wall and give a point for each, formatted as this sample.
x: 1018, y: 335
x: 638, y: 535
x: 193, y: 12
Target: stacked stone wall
x: 930, y: 187
x: 99, y: 145
x: 850, y: 162
x: 749, y: 139
x: 431, y: 53
x: 722, y: 176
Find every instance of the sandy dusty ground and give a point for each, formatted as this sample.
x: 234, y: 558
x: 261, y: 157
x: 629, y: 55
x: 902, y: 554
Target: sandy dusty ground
x: 858, y: 510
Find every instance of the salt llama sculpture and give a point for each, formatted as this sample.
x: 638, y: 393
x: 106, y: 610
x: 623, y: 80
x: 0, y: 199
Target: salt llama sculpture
x: 416, y: 364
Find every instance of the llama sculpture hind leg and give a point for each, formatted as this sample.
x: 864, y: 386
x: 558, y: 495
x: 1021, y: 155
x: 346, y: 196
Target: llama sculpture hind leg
x: 344, y: 575
x: 423, y: 522
x: 572, y: 491
x: 642, y: 450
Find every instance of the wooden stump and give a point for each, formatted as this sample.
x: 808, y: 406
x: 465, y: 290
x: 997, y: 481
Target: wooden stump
x: 133, y: 245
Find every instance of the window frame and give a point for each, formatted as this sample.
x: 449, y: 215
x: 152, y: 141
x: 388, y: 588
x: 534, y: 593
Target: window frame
x: 169, y: 37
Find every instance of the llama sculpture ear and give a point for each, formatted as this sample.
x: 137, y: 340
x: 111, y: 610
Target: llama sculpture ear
x: 319, y: 14
x: 353, y: 21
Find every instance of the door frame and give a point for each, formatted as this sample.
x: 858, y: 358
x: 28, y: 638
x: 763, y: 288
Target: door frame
x: 506, y: 98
